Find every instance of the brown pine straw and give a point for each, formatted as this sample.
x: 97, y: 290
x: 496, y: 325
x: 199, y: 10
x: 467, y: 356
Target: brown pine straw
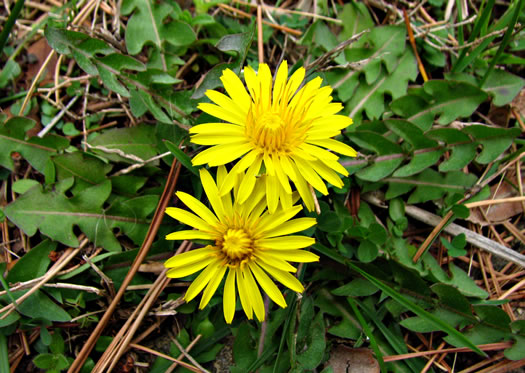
x: 414, y: 48
x: 248, y: 15
x: 485, y: 347
x: 167, y: 357
x: 121, y: 341
x: 260, y: 41
x: 143, y: 252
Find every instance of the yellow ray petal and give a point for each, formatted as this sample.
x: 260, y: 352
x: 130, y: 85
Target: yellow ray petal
x: 304, y: 192
x: 212, y: 287
x: 258, y: 193
x: 248, y: 182
x: 254, y: 294
x: 318, y: 152
x: 229, y: 300
x: 336, y: 166
x: 272, y: 193
x: 321, y: 110
x: 198, y: 207
x: 190, y: 235
x: 202, y: 280
x: 288, y: 168
x: 235, y: 88
x: 300, y: 256
x: 268, y: 222
x: 267, y: 285
x: 274, y: 262
x: 265, y: 79
x: 222, y: 113
x: 336, y: 146
x: 280, y: 83
x: 338, y: 122
x: 327, y: 173
x: 310, y: 175
x: 283, y: 277
x: 268, y: 164
x: 243, y: 294
x: 216, y: 128
x: 221, y: 154
x: 217, y: 139
x: 191, y: 268
x: 293, y: 83
x: 283, y: 179
x: 227, y: 103
x: 240, y: 166
x: 190, y: 219
x: 286, y: 242
x: 291, y: 226
x: 212, y: 192
x: 252, y: 82
x: 189, y: 257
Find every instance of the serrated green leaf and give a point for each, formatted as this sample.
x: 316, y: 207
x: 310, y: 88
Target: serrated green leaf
x: 87, y: 170
x: 146, y: 24
x: 136, y: 141
x: 38, y: 305
x: 379, y: 170
x: 419, y: 162
x: 23, y: 185
x: 375, y: 142
x: 54, y: 215
x: 449, y: 99
x: 312, y: 356
x: 394, y: 81
x: 356, y: 18
x: 410, y: 133
x: 494, y: 140
x: 239, y: 43
x: 33, y: 264
x: 367, y: 251
x: 503, y: 86
x: 36, y: 150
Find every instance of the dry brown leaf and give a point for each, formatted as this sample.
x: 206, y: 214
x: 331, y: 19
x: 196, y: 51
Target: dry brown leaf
x: 499, y: 212
x: 344, y: 359
x: 37, y: 53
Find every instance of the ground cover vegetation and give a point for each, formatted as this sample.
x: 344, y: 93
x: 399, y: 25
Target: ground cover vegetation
x: 320, y: 186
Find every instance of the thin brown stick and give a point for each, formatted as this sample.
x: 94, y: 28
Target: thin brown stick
x: 70, y: 254
x: 486, y: 347
x: 414, y: 47
x: 248, y: 15
x: 432, y: 236
x: 181, y: 356
x: 143, y: 252
x: 260, y: 42
x: 167, y: 357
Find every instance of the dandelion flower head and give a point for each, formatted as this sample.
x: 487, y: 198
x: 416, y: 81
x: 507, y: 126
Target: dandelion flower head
x: 248, y: 246
x: 278, y: 126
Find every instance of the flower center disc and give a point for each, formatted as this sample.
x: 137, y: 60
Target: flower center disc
x: 236, y: 245
x: 270, y: 121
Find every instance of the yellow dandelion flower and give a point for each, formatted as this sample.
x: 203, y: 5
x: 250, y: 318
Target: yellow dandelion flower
x: 281, y: 126
x: 249, y: 244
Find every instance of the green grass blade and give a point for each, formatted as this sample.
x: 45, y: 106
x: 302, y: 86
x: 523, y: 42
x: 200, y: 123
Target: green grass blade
x: 483, y: 18
x: 368, y: 332
x: 10, y: 23
x: 416, y: 309
x: 506, y: 40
